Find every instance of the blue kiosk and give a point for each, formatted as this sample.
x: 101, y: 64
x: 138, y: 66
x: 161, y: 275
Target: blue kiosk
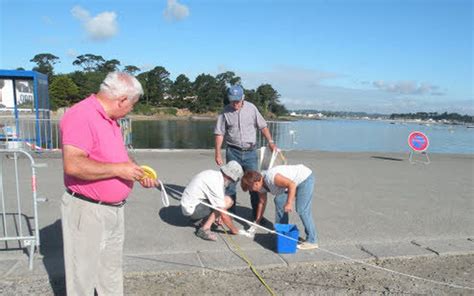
x: 24, y: 108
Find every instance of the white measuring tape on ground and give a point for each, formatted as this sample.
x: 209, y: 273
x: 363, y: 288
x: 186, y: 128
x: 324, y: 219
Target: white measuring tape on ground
x: 334, y: 253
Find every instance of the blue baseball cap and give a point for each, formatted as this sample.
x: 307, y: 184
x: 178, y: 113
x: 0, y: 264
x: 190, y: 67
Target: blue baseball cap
x: 235, y: 93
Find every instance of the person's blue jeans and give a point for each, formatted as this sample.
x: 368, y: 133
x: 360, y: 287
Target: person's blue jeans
x: 249, y: 162
x: 304, y: 199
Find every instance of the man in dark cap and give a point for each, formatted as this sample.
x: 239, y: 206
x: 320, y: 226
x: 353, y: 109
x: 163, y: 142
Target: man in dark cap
x: 237, y: 125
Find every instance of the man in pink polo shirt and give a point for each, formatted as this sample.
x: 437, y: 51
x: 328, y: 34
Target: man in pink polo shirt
x: 98, y: 175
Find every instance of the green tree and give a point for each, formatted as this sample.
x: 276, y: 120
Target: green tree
x: 180, y: 90
x: 45, y: 63
x: 267, y: 98
x: 156, y: 84
x: 109, y: 66
x: 209, y: 94
x: 130, y: 69
x: 63, y: 92
x: 89, y: 62
x: 278, y: 109
x: 88, y: 82
x: 228, y: 77
x: 251, y: 96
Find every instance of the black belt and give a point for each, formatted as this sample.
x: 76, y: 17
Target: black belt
x: 242, y: 149
x: 83, y: 197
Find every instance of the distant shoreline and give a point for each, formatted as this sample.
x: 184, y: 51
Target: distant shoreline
x: 207, y: 117
x: 170, y: 117
x: 213, y: 116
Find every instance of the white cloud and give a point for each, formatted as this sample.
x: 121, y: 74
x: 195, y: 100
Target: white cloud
x: 288, y: 75
x: 71, y: 53
x: 100, y: 27
x: 407, y: 87
x: 176, y: 11
x: 80, y: 13
x: 302, y: 88
x: 146, y: 66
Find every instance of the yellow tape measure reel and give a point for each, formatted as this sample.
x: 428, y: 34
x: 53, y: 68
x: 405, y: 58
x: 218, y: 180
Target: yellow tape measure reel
x: 149, y: 172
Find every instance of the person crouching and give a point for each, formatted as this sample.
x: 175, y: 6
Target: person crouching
x: 209, y: 186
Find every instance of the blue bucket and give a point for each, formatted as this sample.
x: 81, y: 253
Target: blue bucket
x: 283, y: 244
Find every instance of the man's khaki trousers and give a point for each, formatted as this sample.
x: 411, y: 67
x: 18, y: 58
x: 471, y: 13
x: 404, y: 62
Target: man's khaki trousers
x: 93, y: 238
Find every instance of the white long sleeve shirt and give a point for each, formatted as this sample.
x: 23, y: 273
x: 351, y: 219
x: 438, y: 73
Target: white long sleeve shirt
x: 207, y: 185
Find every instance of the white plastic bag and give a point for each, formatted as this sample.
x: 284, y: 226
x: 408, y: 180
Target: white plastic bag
x: 268, y: 160
x: 164, y: 195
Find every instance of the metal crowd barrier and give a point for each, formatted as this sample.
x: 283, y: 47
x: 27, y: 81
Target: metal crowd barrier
x: 283, y: 134
x: 42, y: 134
x: 28, y: 132
x: 126, y: 128
x: 19, y: 204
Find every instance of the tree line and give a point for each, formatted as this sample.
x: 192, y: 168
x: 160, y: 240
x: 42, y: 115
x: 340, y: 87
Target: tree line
x: 454, y: 117
x: 206, y: 93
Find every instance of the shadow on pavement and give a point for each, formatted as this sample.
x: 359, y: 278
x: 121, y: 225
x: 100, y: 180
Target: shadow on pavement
x: 266, y: 240
x: 173, y: 216
x: 245, y: 213
x: 10, y: 223
x: 387, y: 158
x: 51, y: 249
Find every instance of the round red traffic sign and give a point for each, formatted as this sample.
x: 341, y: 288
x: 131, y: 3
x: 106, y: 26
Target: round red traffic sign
x: 418, y: 141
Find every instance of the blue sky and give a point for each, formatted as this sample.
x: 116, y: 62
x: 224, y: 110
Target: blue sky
x: 353, y: 55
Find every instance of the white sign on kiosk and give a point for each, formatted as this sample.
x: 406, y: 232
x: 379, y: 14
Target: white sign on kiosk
x: 24, y: 93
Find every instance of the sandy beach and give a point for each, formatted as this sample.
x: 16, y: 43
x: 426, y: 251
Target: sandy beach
x: 373, y: 207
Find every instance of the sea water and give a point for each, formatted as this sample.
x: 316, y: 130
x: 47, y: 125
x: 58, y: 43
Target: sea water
x: 321, y: 135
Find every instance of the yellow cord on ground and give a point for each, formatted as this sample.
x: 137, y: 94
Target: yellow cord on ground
x: 241, y: 254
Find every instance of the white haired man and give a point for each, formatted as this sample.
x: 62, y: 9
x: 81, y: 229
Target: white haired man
x: 98, y: 176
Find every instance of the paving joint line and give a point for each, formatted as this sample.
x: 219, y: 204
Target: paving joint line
x: 363, y: 249
x: 413, y: 242
x: 11, y: 269
x: 283, y: 259
x: 203, y: 267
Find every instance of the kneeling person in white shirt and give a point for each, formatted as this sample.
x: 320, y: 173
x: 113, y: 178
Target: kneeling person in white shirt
x: 209, y: 186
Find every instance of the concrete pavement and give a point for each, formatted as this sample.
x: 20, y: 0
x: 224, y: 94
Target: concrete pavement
x: 366, y: 205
